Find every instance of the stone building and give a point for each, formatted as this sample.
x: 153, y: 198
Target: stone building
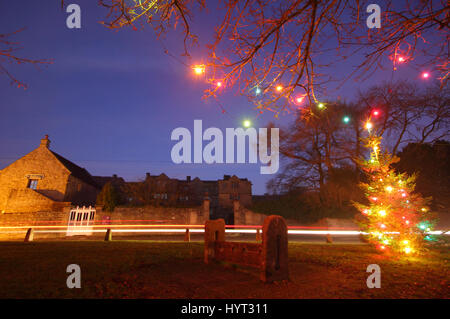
x: 43, y: 180
x: 233, y: 188
x: 165, y: 191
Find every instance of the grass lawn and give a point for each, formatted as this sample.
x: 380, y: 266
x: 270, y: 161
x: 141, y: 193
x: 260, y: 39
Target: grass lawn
x: 144, y: 269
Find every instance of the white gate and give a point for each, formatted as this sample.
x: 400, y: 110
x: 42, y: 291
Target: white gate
x: 81, y: 220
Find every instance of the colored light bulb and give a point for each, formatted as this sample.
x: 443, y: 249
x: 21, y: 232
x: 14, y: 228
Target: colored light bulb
x: 199, y: 69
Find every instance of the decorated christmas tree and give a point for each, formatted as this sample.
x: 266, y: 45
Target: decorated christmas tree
x: 397, y: 219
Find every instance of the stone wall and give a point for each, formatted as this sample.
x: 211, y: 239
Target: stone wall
x: 26, y: 200
x: 121, y: 215
x: 244, y: 216
x: 154, y: 215
x: 31, y: 219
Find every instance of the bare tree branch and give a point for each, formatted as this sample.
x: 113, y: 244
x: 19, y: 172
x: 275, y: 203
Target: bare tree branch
x: 8, y: 55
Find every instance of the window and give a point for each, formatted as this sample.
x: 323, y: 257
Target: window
x: 32, y: 183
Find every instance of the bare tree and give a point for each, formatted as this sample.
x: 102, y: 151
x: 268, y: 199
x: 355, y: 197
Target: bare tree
x: 408, y: 113
x: 313, y: 145
x: 8, y: 55
x: 436, y: 109
x: 274, y: 52
x: 322, y: 144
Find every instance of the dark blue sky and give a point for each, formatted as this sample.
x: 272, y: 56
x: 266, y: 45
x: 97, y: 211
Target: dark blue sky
x: 110, y: 100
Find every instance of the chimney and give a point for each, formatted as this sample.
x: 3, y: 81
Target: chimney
x: 45, y: 142
x: 114, y: 176
x: 147, y: 175
x: 188, y: 178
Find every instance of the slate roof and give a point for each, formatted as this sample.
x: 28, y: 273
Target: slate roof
x: 77, y: 171
x: 102, y: 180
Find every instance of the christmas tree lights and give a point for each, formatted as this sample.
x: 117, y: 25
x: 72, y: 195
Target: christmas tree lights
x: 396, y: 219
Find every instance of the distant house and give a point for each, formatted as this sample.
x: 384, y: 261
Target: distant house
x: 165, y: 191
x: 114, y: 180
x: 43, y: 180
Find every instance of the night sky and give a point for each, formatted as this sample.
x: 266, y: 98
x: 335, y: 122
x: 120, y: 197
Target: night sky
x: 110, y: 100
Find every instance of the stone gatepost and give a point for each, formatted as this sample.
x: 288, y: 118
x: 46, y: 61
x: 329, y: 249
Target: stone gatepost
x: 214, y: 232
x: 275, y: 250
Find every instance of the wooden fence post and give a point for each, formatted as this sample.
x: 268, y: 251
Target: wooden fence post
x: 30, y: 235
x: 108, y: 236
x: 258, y: 234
